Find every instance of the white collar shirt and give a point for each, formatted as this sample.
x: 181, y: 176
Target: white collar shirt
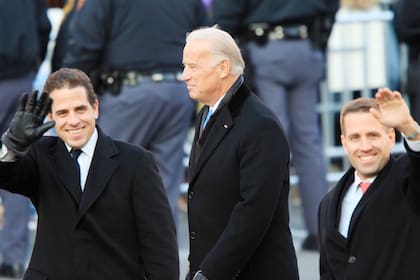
x: 349, y: 203
x: 85, y: 158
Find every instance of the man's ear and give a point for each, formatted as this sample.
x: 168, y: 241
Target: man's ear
x: 343, y: 143
x: 392, y: 136
x: 49, y: 116
x: 224, y: 68
x: 96, y: 108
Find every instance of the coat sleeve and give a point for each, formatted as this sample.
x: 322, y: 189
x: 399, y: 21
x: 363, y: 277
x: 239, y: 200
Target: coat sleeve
x: 88, y: 36
x: 20, y: 176
x: 413, y: 189
x: 156, y: 228
x: 407, y: 20
x: 229, y: 14
x: 43, y: 28
x: 324, y: 269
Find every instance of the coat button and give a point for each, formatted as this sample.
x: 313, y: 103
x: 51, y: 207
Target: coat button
x: 193, y: 235
x: 190, y: 195
x: 352, y: 259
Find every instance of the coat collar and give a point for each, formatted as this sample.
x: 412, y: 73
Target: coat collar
x: 68, y: 176
x: 341, y: 188
x: 102, y: 167
x: 217, y: 128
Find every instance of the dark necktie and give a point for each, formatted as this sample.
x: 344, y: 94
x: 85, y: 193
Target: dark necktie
x: 75, y: 153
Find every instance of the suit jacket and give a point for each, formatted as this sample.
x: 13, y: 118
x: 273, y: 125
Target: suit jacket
x: 121, y: 227
x: 238, y: 194
x: 383, y: 238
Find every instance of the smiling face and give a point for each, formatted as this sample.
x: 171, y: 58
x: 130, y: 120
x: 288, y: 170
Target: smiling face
x: 367, y: 143
x: 75, y: 118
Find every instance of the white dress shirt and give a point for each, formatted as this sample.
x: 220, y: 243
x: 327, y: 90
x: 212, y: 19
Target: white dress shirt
x: 85, y: 158
x: 349, y: 203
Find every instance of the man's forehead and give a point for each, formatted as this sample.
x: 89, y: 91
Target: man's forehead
x: 195, y: 55
x: 197, y: 46
x: 358, y: 124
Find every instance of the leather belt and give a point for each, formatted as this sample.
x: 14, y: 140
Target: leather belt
x: 133, y: 78
x: 262, y: 32
x: 288, y: 32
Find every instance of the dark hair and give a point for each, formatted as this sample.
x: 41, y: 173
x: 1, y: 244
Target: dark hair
x: 70, y: 78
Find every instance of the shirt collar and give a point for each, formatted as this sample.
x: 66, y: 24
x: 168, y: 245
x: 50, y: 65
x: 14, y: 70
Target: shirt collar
x: 236, y: 85
x: 214, y: 108
x: 358, y: 180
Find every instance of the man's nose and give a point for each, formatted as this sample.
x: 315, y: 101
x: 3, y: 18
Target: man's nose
x: 365, y: 143
x: 73, y: 118
x: 185, y: 75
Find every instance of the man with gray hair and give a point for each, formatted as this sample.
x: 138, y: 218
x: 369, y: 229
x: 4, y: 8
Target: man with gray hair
x: 238, y: 171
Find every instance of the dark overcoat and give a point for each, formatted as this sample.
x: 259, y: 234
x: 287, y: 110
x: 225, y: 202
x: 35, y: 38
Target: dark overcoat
x: 238, y: 194
x: 121, y: 227
x: 383, y: 238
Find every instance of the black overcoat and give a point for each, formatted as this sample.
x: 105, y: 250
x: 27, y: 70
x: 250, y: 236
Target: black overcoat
x: 238, y: 194
x: 383, y: 240
x: 121, y: 227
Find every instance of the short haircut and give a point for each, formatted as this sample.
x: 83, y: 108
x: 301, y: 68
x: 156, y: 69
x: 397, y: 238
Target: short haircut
x: 70, y: 78
x: 362, y: 104
x: 223, y: 47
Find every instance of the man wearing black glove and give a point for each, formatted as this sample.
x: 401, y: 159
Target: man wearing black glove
x: 101, y: 215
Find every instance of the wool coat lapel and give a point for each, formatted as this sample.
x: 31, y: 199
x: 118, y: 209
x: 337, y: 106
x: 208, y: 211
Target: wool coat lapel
x: 216, y: 130
x: 101, y: 169
x: 64, y: 171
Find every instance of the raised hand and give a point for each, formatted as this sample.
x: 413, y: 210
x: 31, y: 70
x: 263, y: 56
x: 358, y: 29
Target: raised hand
x: 28, y: 124
x: 394, y: 111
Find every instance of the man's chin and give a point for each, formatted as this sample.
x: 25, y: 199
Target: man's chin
x: 75, y: 143
x: 367, y: 172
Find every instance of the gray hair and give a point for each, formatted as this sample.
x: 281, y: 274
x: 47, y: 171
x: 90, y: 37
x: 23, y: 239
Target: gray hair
x: 223, y: 47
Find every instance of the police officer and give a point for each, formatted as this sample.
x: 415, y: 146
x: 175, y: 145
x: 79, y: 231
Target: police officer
x: 407, y: 27
x: 133, y: 48
x: 284, y: 41
x: 24, y: 35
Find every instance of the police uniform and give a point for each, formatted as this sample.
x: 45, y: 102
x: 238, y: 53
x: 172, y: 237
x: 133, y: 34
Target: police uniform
x: 407, y: 27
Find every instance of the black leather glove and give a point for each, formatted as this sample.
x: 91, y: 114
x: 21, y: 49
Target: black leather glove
x: 28, y: 124
x: 199, y: 276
